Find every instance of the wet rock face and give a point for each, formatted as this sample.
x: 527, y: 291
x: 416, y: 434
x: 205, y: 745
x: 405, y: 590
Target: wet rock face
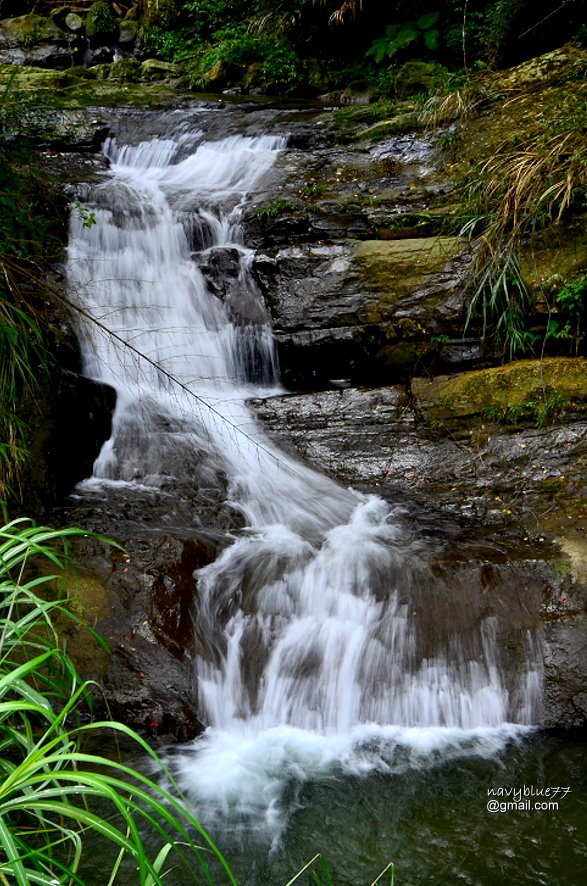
x: 565, y: 672
x: 147, y: 593
x: 82, y: 422
x: 345, y: 308
x: 149, y: 590
x: 353, y: 265
x: 484, y: 495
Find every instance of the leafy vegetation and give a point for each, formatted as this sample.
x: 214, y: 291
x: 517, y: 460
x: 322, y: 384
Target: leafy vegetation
x: 400, y: 36
x: 570, y: 306
x: 29, y: 236
x: 355, y: 38
x: 56, y: 794
x: 522, y: 171
x: 273, y: 210
x: 100, y: 19
x: 539, y: 410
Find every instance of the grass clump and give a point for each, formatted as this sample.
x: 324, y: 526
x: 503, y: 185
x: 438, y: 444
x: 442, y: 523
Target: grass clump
x: 54, y: 792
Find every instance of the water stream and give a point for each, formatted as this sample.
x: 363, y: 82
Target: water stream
x: 327, y: 642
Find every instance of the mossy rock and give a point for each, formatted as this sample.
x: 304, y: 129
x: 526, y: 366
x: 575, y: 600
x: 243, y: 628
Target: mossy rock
x: 125, y: 70
x: 513, y: 113
x: 560, y: 251
x: 108, y: 93
x: 91, y: 602
x: 100, y: 72
x: 128, y: 31
x: 495, y: 391
x: 59, y: 14
x: 559, y: 66
x: 80, y: 72
x: 153, y: 69
x: 223, y: 73
x: 88, y: 597
x: 396, y: 266
x: 31, y: 30
x: 407, y: 122
x: 358, y: 92
x: 29, y: 79
x: 74, y: 22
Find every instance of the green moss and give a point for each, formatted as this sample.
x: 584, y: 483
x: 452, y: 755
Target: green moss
x: 89, y: 598
x: 407, y: 122
x: 154, y: 69
x: 77, y: 89
x: 514, y: 388
x: 29, y: 80
x: 354, y: 115
x: 556, y: 250
x: 128, y: 31
x: 125, y: 70
x: 418, y: 76
x: 32, y: 29
x: 397, y: 266
x: 77, y: 72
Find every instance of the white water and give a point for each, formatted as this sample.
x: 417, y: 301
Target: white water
x: 313, y: 626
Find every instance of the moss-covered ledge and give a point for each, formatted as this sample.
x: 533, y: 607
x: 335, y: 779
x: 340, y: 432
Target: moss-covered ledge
x: 516, y: 387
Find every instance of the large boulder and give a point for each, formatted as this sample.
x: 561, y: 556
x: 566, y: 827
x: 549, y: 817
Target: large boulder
x: 37, y: 41
x: 153, y: 69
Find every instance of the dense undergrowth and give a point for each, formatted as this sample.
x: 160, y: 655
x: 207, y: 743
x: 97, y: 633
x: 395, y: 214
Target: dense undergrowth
x: 524, y: 184
x: 304, y: 45
x: 31, y: 237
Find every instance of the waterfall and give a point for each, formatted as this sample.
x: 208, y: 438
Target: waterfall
x: 324, y: 637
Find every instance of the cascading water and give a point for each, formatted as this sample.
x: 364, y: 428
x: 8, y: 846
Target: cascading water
x: 325, y: 639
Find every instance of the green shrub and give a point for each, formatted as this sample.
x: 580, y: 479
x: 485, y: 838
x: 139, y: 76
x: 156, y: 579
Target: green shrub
x: 29, y: 235
x: 175, y: 45
x: 281, y: 70
x: 400, y: 36
x: 100, y: 20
